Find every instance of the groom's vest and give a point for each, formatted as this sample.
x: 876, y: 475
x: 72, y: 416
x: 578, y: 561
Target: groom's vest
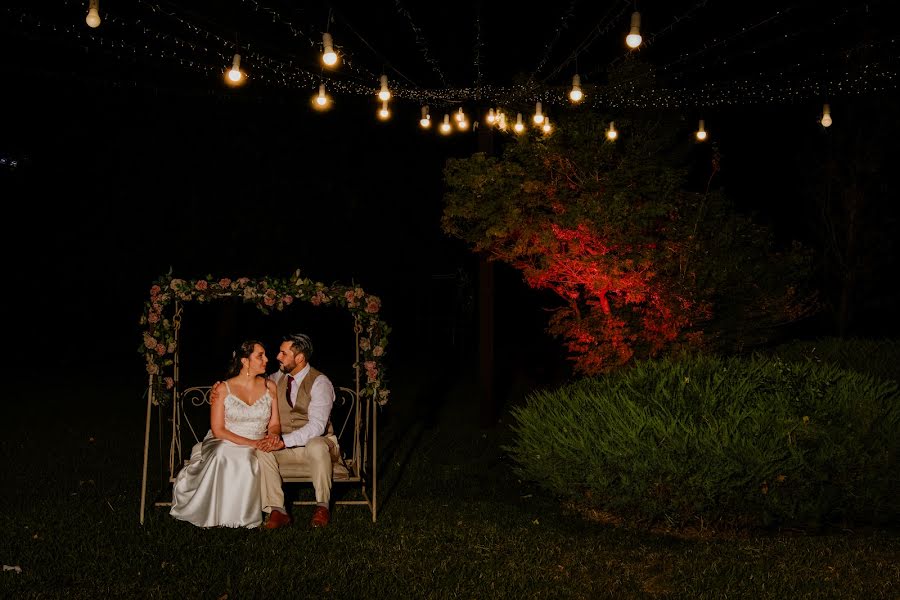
x: 295, y: 418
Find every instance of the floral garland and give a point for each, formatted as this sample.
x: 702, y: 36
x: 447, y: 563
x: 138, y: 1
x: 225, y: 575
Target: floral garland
x: 158, y: 345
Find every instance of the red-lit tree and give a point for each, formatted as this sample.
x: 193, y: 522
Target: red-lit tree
x: 641, y: 264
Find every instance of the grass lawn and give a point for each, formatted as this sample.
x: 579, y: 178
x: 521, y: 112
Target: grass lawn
x: 454, y: 522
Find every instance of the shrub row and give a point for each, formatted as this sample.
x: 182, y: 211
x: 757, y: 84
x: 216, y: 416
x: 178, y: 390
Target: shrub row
x: 741, y: 441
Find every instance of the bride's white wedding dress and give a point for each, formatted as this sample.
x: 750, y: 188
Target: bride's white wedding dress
x: 220, y: 486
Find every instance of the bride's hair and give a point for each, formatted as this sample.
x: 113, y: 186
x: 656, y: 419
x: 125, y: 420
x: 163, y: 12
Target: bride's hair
x: 243, y: 351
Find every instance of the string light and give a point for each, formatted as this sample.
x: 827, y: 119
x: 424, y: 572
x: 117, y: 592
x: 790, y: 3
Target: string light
x: 519, y: 127
x: 322, y: 101
x: 329, y: 56
x: 462, y: 123
x: 445, y: 126
x: 93, y: 15
x: 611, y: 133
x: 576, y: 95
x: 425, y: 121
x: 501, y: 121
x: 491, y: 117
x: 384, y: 94
x: 538, y: 114
x: 546, y: 128
x: 701, y: 131
x: 384, y: 114
x: 826, y: 116
x: 634, y: 39
x: 235, y: 76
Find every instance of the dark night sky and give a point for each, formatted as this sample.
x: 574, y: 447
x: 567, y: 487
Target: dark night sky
x: 130, y: 164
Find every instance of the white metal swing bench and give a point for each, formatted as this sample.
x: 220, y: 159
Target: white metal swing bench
x: 355, y: 430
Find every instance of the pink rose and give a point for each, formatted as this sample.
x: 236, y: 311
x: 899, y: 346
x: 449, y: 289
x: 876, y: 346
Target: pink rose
x: 287, y: 299
x: 154, y: 291
x: 201, y: 285
x: 243, y: 280
x: 364, y: 344
x: 152, y: 369
x: 153, y: 317
x: 373, y: 304
x: 378, y: 351
x: 160, y: 349
x: 149, y: 342
x: 224, y: 282
x: 269, y: 301
x: 359, y: 293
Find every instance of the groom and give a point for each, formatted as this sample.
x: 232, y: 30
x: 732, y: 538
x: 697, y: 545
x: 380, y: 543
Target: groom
x: 304, y: 399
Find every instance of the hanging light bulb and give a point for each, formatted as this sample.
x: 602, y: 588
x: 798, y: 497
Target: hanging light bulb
x: 425, y: 121
x: 538, y: 114
x: 634, y: 39
x: 321, y: 101
x: 611, y: 133
x: 491, y: 117
x: 519, y: 127
x: 93, y: 15
x: 235, y: 76
x: 384, y: 114
x: 329, y: 56
x: 826, y: 116
x: 701, y: 131
x: 576, y: 94
x: 385, y: 93
x: 461, y: 121
x: 546, y: 128
x: 445, y: 126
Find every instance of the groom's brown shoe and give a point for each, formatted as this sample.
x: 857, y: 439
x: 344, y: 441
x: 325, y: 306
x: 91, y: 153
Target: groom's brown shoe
x: 277, y: 519
x: 320, y: 517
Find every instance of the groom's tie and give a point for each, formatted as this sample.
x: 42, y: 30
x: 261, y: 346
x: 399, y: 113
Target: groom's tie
x: 290, y: 382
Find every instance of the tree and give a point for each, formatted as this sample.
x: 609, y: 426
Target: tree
x: 641, y: 265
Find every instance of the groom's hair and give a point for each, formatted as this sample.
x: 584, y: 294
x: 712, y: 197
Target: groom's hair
x: 300, y: 343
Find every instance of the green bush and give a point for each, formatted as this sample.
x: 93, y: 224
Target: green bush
x: 750, y: 441
x: 880, y: 358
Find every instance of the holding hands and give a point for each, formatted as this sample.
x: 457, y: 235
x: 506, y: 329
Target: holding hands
x: 270, y: 443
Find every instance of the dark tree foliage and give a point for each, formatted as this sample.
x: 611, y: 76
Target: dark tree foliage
x: 641, y: 265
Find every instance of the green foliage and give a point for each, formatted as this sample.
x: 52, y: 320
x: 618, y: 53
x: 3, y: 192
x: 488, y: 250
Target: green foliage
x: 878, y: 358
x: 747, y: 441
x: 641, y: 265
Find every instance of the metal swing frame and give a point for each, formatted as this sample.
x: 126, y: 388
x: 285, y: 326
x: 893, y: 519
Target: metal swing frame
x: 356, y: 467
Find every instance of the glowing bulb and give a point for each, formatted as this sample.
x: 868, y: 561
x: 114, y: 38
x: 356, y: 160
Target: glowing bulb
x: 826, y: 116
x: 634, y: 39
x: 491, y: 117
x: 384, y: 114
x: 576, y: 95
x: 501, y: 121
x: 385, y: 93
x: 460, y: 115
x: 93, y: 15
x: 235, y: 76
x: 329, y: 56
x: 701, y: 131
x: 538, y: 115
x: 445, y: 126
x: 611, y: 133
x: 519, y: 127
x: 322, y: 100
x: 546, y: 128
x: 425, y: 121
x: 463, y: 125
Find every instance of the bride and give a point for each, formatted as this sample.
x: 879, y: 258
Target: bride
x: 220, y: 486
